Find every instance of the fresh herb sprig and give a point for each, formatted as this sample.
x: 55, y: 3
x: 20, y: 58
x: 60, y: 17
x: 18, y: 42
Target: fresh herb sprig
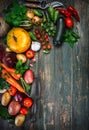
x: 5, y: 115
x: 20, y: 68
x: 15, y: 14
x: 71, y: 37
x: 3, y: 83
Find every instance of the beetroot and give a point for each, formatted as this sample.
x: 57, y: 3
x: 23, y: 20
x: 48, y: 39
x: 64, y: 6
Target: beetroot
x: 29, y: 76
x: 9, y: 60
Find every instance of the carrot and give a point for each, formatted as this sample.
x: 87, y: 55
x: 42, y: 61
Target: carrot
x: 11, y: 71
x: 12, y: 81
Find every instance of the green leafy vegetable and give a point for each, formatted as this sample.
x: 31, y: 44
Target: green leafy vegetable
x: 26, y: 86
x: 3, y: 84
x: 5, y: 115
x: 20, y: 68
x: 71, y: 37
x: 15, y: 14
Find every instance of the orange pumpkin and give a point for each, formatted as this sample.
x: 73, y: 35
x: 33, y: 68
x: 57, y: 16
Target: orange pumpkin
x: 18, y: 40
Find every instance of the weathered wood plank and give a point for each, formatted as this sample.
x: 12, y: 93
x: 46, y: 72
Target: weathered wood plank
x: 64, y: 78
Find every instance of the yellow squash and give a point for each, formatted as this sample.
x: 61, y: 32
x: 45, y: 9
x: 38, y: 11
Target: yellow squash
x: 18, y: 40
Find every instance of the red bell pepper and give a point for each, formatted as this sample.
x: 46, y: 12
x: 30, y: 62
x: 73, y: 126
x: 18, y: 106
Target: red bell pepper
x: 74, y: 12
x: 64, y: 12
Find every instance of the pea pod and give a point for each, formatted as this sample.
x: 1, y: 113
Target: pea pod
x: 33, y: 36
x: 51, y: 11
x: 58, y: 38
x: 38, y: 13
x: 55, y: 17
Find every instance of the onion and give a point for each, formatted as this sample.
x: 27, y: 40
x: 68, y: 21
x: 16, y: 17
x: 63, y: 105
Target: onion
x: 30, y: 14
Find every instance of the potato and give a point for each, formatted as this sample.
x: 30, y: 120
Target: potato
x: 21, y: 57
x: 19, y: 119
x: 14, y: 107
x: 29, y: 76
x: 6, y: 97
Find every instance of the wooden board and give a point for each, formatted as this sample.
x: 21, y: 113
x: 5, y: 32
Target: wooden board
x: 64, y: 78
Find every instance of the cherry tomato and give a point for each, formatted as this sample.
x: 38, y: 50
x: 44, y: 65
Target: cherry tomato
x: 23, y: 111
x: 44, y: 32
x: 44, y: 47
x: 30, y: 54
x: 12, y: 90
x: 28, y: 102
x: 38, y: 36
x: 46, y: 36
x: 47, y: 40
x: 69, y: 22
x: 41, y: 40
x: 36, y: 31
x: 49, y: 46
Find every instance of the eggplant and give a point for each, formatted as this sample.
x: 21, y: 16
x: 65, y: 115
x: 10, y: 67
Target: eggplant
x: 60, y: 29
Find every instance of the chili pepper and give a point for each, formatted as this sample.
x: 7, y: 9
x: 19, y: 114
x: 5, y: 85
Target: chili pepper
x: 33, y: 36
x: 51, y: 11
x: 38, y: 13
x: 74, y: 12
x: 56, y: 16
x: 12, y: 90
x: 64, y: 12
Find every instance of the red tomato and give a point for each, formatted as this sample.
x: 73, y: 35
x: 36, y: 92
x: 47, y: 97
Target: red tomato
x: 69, y: 22
x: 36, y: 31
x: 46, y: 36
x: 30, y: 54
x: 38, y: 36
x: 41, y: 40
x: 49, y: 46
x: 23, y: 111
x: 12, y: 90
x: 47, y: 40
x: 28, y: 102
x: 44, y: 47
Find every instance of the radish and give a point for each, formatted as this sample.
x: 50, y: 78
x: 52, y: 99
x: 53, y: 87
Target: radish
x: 29, y: 76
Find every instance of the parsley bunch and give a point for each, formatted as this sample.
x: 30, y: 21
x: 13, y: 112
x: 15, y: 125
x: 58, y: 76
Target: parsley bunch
x: 15, y: 14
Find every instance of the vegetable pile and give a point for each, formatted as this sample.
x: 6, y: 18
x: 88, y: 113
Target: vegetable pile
x: 26, y: 32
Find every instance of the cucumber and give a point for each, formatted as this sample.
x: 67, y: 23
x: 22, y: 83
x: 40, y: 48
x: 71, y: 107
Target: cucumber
x: 26, y: 24
x: 60, y: 29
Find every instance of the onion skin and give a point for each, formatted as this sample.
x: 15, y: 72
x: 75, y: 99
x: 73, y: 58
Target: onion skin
x: 3, y: 90
x: 4, y: 27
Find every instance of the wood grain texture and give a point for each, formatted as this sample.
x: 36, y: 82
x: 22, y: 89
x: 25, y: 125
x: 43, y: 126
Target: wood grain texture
x: 64, y: 78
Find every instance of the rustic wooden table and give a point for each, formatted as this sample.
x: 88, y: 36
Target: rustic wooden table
x: 64, y: 78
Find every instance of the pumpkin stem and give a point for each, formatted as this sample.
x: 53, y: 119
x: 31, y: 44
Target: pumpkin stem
x: 15, y: 38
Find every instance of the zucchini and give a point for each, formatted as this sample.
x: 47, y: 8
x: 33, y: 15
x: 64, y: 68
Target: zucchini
x: 26, y: 24
x: 60, y: 29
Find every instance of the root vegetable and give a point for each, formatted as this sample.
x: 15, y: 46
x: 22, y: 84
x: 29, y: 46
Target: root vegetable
x: 19, y: 119
x: 6, y: 97
x: 14, y: 107
x: 29, y: 76
x: 21, y: 57
x: 30, y: 14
